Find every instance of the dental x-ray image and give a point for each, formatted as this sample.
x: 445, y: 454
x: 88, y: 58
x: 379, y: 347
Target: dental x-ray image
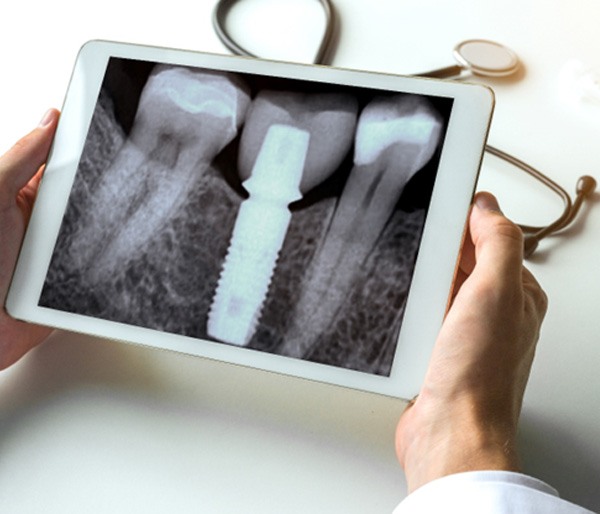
x: 279, y: 215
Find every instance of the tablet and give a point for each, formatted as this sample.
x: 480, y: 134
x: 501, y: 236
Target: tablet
x: 298, y: 219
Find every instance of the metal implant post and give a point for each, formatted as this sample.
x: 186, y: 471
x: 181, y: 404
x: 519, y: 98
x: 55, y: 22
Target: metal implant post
x: 258, y: 235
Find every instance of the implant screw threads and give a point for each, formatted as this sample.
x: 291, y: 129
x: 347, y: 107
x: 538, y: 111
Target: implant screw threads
x: 258, y: 235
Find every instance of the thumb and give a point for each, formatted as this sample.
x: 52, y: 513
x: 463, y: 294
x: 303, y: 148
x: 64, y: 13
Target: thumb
x: 498, y: 241
x: 20, y: 163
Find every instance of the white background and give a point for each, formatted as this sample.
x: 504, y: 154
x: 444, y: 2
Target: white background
x: 96, y: 426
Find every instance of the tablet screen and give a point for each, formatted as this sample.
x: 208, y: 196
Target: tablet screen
x: 275, y: 214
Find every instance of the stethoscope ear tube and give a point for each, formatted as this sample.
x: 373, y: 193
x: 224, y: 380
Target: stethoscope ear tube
x: 219, y: 20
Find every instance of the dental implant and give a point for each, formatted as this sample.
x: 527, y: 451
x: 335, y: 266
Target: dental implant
x: 258, y: 234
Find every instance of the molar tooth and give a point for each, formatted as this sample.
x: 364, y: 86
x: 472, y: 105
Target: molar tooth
x: 396, y: 137
x: 290, y: 143
x: 185, y: 117
x: 200, y: 110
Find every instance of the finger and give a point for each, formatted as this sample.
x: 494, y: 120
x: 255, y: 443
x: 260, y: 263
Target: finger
x: 498, y: 242
x: 533, y: 288
x: 466, y: 261
x: 19, y: 164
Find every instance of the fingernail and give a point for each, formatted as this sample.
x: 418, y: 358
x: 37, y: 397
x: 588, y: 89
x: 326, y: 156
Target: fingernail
x: 47, y: 118
x: 487, y: 202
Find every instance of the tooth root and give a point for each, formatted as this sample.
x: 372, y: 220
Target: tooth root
x: 100, y: 221
x: 185, y: 118
x: 258, y: 235
x: 395, y: 138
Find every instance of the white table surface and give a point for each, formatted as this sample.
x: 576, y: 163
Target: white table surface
x: 93, y: 426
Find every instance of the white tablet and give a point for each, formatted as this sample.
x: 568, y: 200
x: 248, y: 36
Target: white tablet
x: 303, y: 220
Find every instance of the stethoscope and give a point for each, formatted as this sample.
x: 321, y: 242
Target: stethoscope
x: 477, y: 57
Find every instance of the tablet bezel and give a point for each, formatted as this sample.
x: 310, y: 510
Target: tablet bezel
x: 434, y: 270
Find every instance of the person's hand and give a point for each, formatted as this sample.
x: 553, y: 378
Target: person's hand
x: 20, y: 173
x: 465, y: 417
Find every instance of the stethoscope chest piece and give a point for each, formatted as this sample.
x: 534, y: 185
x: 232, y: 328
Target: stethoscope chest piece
x: 480, y: 57
x: 487, y: 58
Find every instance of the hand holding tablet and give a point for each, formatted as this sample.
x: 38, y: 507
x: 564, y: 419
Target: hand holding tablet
x: 20, y: 174
x: 128, y: 239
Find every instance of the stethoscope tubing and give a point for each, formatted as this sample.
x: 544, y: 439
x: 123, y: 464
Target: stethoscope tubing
x: 564, y: 218
x: 219, y: 23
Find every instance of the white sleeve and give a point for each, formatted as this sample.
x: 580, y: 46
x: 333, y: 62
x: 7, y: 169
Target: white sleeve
x: 487, y: 492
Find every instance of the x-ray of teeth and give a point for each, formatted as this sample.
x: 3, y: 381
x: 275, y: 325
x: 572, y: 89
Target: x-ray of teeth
x: 339, y: 179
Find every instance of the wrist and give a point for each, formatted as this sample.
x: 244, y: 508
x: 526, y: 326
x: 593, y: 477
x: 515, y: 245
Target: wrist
x: 435, y: 441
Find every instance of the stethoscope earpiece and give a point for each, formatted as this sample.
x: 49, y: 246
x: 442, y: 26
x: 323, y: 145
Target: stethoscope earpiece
x: 586, y: 185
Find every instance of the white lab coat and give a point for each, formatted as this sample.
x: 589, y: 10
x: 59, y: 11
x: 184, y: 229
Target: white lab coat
x: 487, y: 492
